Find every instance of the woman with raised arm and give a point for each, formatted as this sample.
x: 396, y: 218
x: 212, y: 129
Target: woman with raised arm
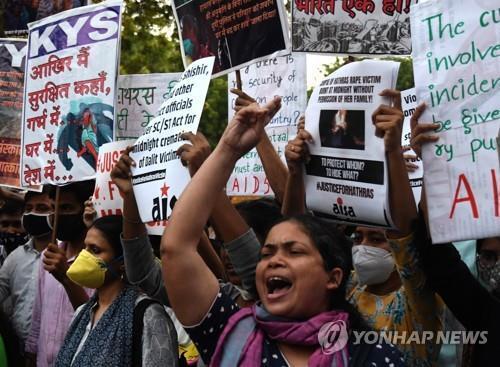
x: 300, y: 279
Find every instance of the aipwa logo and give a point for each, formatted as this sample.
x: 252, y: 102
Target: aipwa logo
x: 333, y: 336
x: 340, y: 209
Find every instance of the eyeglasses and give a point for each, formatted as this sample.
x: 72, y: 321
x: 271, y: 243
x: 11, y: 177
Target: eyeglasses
x: 487, y: 259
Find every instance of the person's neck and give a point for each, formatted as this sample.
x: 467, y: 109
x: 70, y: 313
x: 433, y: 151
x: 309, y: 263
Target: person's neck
x: 390, y: 285
x: 41, y: 242
x: 108, y: 293
x: 296, y: 355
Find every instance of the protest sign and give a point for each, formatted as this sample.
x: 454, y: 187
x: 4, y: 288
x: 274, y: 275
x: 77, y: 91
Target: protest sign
x: 69, y: 93
x: 107, y: 199
x: 409, y: 104
x: 455, y: 58
x: 346, y: 177
x: 284, y: 76
x: 17, y: 14
x: 237, y: 33
x: 12, y: 58
x: 159, y: 177
x: 352, y: 27
x: 139, y: 97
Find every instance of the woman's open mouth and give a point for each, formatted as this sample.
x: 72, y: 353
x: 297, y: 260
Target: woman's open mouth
x: 277, y: 286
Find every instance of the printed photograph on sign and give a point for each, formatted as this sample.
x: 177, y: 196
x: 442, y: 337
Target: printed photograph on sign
x: 236, y: 33
x: 17, y: 14
x: 342, y: 129
x: 352, y: 27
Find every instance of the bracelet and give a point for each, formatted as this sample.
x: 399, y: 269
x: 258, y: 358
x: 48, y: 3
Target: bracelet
x: 131, y: 221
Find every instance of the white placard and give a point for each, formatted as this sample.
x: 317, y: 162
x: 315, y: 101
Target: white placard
x: 456, y: 47
x: 159, y: 177
x: 284, y: 76
x: 346, y: 178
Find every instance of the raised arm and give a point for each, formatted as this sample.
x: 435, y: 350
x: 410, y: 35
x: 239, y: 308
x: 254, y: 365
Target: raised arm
x: 389, y: 126
x: 297, y: 154
x: 276, y: 171
x: 179, y: 256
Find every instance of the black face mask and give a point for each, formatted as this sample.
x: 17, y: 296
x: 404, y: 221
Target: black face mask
x: 11, y: 241
x: 37, y: 224
x: 70, y: 227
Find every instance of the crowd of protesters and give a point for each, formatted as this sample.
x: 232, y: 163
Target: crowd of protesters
x: 252, y: 284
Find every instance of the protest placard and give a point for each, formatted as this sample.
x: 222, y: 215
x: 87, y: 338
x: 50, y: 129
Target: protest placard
x: 237, y: 33
x: 284, y: 76
x: 352, y: 27
x: 69, y: 93
x: 409, y: 104
x: 455, y: 56
x: 107, y: 199
x: 12, y: 58
x: 159, y: 177
x: 346, y: 177
x: 138, y: 99
x: 18, y: 14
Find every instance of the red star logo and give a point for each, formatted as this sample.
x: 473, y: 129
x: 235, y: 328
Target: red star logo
x: 164, y: 190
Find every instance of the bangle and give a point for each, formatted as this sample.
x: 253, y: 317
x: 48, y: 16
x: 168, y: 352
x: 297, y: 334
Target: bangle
x: 132, y: 221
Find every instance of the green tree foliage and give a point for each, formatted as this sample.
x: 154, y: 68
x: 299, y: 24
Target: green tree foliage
x: 150, y: 44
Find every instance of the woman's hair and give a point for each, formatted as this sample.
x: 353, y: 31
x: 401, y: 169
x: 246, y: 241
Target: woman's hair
x: 111, y: 228
x: 260, y: 215
x: 335, y: 250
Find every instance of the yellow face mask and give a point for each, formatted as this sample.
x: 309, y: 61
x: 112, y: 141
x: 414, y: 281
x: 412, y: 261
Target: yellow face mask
x: 87, y: 270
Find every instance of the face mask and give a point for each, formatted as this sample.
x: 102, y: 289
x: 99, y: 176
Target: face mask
x: 11, y: 241
x: 89, y: 271
x: 188, y: 47
x: 37, y: 224
x: 70, y: 227
x: 491, y: 276
x: 373, y: 265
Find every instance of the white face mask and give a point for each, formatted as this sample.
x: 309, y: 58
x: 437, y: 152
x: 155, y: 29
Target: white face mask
x: 373, y: 265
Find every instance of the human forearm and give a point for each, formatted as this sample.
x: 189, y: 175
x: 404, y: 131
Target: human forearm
x: 132, y: 224
x: 401, y: 199
x: 226, y: 220
x: 275, y: 169
x: 294, y: 200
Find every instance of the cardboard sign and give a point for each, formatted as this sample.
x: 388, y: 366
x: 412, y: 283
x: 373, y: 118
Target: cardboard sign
x: 352, y: 27
x: 12, y: 58
x: 107, y: 199
x: 139, y: 98
x: 456, y: 70
x: 284, y: 76
x: 69, y: 93
x: 409, y: 104
x: 237, y: 33
x: 159, y: 177
x: 346, y: 178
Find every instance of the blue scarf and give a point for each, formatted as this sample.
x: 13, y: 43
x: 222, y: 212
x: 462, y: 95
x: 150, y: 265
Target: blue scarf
x: 109, y: 343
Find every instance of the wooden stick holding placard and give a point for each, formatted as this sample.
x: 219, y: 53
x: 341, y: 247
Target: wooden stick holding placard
x: 56, y: 216
x: 238, y: 80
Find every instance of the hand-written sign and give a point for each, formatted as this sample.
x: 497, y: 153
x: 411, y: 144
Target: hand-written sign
x: 159, y: 177
x: 69, y: 93
x: 456, y: 49
x: 284, y: 76
x: 139, y: 98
